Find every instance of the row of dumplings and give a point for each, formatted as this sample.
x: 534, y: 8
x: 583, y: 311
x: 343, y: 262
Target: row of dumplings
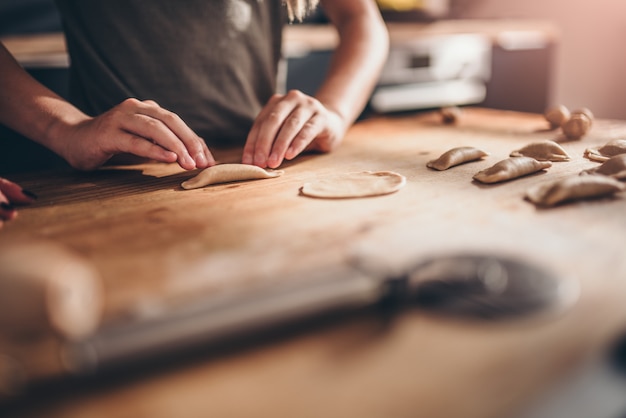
x: 603, y: 180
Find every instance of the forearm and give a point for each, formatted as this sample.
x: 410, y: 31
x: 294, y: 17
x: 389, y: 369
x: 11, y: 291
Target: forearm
x: 31, y: 109
x: 356, y: 62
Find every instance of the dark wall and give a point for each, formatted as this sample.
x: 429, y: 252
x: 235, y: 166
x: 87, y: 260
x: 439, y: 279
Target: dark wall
x: 28, y: 16
x: 21, y: 17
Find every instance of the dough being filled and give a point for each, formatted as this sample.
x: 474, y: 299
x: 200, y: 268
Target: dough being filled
x: 456, y: 156
x: 542, y: 151
x: 511, y: 168
x: 573, y: 188
x: 226, y: 173
x: 359, y: 184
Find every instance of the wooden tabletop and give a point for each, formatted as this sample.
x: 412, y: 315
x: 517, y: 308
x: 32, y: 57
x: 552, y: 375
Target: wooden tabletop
x: 149, y: 239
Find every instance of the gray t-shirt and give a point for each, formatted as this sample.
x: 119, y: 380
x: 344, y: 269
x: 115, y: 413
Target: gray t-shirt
x: 213, y: 62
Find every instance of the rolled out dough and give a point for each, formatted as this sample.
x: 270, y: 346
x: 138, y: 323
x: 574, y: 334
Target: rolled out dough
x: 225, y: 173
x: 358, y: 184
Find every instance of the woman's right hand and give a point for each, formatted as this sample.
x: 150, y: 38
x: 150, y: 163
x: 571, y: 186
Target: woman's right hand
x: 140, y: 128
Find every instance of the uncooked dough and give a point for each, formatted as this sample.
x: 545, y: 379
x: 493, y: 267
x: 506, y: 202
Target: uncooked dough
x: 573, y: 188
x: 613, y: 167
x: 542, y: 151
x: 359, y: 184
x: 226, y: 173
x: 608, y: 150
x: 511, y: 168
x: 456, y: 156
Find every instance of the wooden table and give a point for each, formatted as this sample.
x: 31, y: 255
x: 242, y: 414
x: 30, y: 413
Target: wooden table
x: 150, y: 239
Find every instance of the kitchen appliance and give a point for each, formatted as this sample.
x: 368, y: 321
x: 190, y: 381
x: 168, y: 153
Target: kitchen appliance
x: 434, y: 71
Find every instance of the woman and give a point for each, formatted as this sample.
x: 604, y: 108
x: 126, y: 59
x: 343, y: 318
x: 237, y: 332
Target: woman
x: 162, y: 79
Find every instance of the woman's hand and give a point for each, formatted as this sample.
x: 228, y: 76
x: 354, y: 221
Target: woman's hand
x: 140, y: 128
x: 290, y: 124
x: 11, y: 194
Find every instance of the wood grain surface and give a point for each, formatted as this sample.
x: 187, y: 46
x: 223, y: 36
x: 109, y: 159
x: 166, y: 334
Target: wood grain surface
x: 151, y: 240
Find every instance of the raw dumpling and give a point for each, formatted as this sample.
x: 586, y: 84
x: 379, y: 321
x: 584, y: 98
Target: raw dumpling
x: 610, y: 149
x: 511, y: 168
x: 542, y: 151
x: 225, y: 173
x: 456, y: 156
x: 573, y: 188
x: 613, y: 167
x: 360, y: 184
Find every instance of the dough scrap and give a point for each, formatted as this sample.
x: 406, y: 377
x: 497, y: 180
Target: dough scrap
x: 511, y: 168
x: 613, y: 167
x: 226, y: 173
x: 608, y: 150
x: 450, y: 114
x: 557, y: 116
x: 573, y: 188
x: 358, y: 184
x: 456, y: 156
x: 542, y: 151
x: 577, y: 125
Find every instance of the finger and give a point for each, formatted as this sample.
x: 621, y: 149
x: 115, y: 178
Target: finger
x: 253, y: 135
x: 268, y: 130
x: 152, y: 130
x: 307, y: 134
x: 141, y: 147
x: 149, y: 120
x: 287, y: 133
x: 194, y: 145
x: 208, y: 156
x: 14, y: 193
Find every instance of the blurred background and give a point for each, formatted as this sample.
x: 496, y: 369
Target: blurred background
x: 589, y: 63
x: 586, y: 68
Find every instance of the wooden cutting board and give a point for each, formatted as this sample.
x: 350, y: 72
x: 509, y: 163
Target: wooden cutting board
x: 151, y: 240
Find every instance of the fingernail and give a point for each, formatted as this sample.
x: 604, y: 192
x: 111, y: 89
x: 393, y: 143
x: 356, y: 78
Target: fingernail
x: 6, y: 206
x: 189, y: 161
x: 201, y: 160
x: 260, y: 161
x: 273, y: 161
x: 28, y: 193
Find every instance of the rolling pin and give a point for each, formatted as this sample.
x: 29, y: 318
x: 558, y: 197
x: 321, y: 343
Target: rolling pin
x: 48, y: 295
x: 46, y: 288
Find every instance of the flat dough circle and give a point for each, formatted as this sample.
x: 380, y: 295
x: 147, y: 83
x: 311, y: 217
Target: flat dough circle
x: 359, y: 184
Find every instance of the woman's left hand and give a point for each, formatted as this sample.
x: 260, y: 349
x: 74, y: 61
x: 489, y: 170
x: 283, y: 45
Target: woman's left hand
x: 290, y: 124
